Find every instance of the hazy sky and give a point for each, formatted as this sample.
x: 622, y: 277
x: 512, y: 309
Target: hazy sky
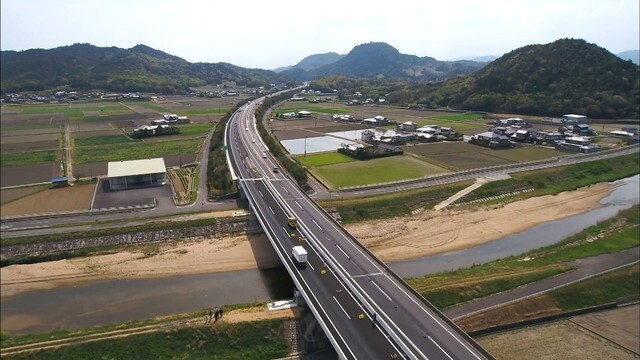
x: 268, y: 34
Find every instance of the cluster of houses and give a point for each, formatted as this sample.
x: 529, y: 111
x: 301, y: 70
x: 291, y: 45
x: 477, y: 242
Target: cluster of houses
x: 296, y: 115
x: 407, y: 132
x: 161, y: 126
x: 573, y: 134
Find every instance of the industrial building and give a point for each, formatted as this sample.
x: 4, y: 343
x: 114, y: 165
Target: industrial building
x: 136, y: 173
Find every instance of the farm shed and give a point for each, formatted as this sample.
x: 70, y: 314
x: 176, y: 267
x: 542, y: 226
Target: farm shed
x: 59, y: 182
x: 136, y: 173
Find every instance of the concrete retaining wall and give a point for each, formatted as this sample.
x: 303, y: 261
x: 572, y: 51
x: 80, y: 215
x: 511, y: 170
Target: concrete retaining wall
x: 221, y: 228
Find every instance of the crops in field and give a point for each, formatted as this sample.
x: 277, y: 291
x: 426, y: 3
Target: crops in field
x: 323, y: 159
x: 103, y: 140
x: 376, y: 171
x: 461, y: 156
x: 133, y: 150
x: 194, y: 130
x: 27, y: 158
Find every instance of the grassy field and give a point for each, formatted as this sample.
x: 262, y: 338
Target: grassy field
x: 324, y: 159
x: 134, y: 150
x: 599, y: 290
x: 450, y: 288
x: 376, y: 171
x: 242, y: 341
x: 28, y: 158
x: 195, y: 130
x: 103, y: 140
x: 77, y: 111
x: 460, y: 117
x: 461, y: 156
x: 392, y: 205
x: 555, y: 180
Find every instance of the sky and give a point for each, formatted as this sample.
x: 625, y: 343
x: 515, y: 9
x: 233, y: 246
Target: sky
x: 270, y: 34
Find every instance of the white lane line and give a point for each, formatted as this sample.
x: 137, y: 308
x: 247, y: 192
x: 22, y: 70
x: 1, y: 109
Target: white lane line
x: 261, y: 194
x: 345, y: 254
x: 316, y: 224
x: 441, y: 349
x: 363, y: 275
x: 297, y: 203
x: 311, y: 266
x: 337, y: 302
x: 285, y: 189
x: 434, y: 318
x: 383, y: 293
x: 272, y: 210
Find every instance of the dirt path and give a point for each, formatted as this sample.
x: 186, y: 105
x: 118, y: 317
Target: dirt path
x: 233, y: 316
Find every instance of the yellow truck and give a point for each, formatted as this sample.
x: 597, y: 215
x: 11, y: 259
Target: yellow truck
x: 292, y: 221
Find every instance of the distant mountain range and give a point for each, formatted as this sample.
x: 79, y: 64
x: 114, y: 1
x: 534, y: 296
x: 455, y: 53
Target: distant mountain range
x: 313, y: 62
x: 565, y: 76
x: 380, y: 60
x: 141, y: 68
x: 633, y: 55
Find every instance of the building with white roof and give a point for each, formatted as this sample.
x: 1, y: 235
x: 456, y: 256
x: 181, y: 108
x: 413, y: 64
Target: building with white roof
x: 136, y: 173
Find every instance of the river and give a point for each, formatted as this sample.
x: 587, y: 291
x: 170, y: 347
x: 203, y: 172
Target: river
x: 115, y: 301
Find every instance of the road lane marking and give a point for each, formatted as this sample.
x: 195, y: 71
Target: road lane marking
x: 316, y: 224
x: 272, y: 210
x: 379, y: 288
x: 337, y: 302
x: 441, y: 349
x: 261, y: 194
x: 363, y: 275
x: 311, y: 266
x: 345, y: 254
x: 297, y: 203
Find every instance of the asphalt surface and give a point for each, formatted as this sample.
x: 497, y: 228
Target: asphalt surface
x: 365, y: 310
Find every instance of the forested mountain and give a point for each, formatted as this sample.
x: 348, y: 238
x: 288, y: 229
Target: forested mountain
x: 380, y: 60
x: 566, y: 76
x: 141, y: 68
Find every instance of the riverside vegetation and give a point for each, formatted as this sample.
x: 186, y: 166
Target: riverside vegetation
x: 444, y: 290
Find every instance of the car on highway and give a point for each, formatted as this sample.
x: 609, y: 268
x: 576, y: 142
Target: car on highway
x: 275, y: 170
x: 264, y: 155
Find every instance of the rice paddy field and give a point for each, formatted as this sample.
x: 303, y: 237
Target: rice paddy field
x: 347, y: 174
x: 338, y: 171
x: 33, y: 135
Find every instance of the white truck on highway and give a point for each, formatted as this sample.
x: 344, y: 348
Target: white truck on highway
x: 299, y: 255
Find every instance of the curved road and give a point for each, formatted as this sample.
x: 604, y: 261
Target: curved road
x: 366, y: 311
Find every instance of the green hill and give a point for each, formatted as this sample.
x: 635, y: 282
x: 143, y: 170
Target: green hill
x: 566, y: 76
x: 381, y: 60
x: 141, y: 68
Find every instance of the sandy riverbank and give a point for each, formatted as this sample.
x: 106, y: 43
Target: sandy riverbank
x: 427, y: 233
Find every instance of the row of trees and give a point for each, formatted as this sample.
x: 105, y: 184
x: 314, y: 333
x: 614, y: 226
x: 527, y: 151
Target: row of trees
x: 219, y: 181
x: 296, y: 171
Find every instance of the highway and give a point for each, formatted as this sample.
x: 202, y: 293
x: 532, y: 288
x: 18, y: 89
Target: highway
x: 366, y: 311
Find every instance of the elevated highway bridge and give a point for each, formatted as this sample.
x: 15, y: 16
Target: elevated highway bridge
x: 366, y: 311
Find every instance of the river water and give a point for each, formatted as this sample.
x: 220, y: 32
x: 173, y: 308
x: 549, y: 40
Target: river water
x: 115, y: 301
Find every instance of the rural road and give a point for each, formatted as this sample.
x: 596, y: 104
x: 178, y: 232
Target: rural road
x: 67, y: 150
x: 585, y: 269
